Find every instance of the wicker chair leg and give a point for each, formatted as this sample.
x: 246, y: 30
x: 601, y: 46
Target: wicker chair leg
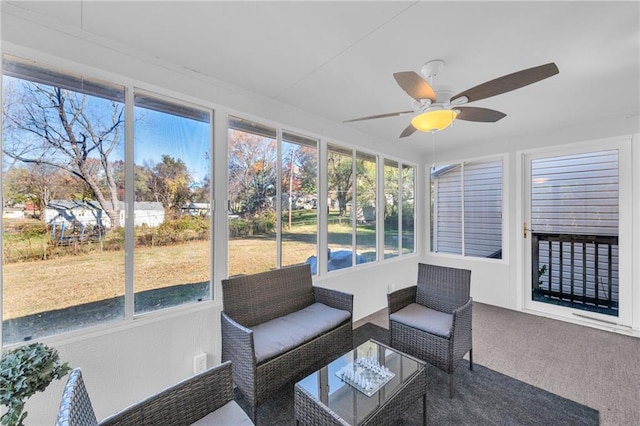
x: 470, y: 359
x: 255, y: 414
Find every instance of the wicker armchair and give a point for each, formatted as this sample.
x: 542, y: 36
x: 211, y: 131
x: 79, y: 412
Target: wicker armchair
x: 251, y: 301
x: 206, y: 398
x: 432, y: 320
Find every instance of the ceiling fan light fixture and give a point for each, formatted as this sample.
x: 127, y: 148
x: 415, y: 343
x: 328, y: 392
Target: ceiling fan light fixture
x: 434, y: 120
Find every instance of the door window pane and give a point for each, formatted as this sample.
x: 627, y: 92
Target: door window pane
x: 574, y: 231
x: 252, y: 194
x: 63, y: 245
x: 299, y: 167
x: 172, y: 210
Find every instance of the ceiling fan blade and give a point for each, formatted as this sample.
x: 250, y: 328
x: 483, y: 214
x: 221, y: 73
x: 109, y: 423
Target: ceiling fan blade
x: 415, y: 86
x: 508, y: 83
x: 483, y: 115
x: 408, y: 131
x: 371, y: 117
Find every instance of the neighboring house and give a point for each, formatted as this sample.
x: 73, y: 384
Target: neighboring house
x: 149, y: 213
x: 84, y: 213
x: 75, y: 213
x: 197, y: 209
x: 12, y: 213
x: 482, y: 236
x: 298, y: 201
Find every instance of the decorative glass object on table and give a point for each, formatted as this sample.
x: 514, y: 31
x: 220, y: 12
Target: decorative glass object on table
x: 402, y: 381
x: 366, y: 373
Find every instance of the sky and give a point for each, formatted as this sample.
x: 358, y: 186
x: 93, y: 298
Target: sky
x: 157, y: 134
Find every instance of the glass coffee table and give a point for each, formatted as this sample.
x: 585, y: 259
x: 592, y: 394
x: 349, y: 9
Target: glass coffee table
x: 371, y: 384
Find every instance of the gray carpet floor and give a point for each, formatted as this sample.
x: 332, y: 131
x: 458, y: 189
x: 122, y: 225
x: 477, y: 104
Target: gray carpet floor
x: 597, y: 368
x: 482, y: 397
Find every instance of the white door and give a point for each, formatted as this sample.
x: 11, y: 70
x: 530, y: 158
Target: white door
x: 575, y: 228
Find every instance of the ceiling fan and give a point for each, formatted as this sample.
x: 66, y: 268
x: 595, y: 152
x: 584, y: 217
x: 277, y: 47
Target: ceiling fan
x: 437, y: 110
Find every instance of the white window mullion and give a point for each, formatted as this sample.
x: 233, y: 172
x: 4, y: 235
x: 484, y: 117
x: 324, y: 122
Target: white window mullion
x: 279, y: 198
x: 323, y: 209
x: 354, y: 207
x: 399, y: 207
x: 129, y: 205
x: 462, y: 217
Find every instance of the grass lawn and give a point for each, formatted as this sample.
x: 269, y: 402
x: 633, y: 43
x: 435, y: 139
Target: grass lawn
x: 37, y: 286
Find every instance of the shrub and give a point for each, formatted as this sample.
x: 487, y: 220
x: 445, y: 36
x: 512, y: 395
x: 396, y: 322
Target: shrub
x: 25, y: 371
x: 259, y: 223
x: 264, y: 222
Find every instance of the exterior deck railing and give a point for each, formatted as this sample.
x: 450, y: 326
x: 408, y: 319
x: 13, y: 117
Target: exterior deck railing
x: 580, y: 271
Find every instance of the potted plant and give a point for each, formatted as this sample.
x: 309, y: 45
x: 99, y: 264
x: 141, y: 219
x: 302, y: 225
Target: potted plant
x: 23, y: 372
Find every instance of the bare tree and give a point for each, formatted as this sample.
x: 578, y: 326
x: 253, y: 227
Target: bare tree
x: 69, y: 131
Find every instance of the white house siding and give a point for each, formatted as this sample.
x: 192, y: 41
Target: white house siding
x: 482, y: 184
x: 482, y: 208
x: 12, y: 213
x: 149, y: 213
x: 72, y: 213
x: 578, y: 195
x: 447, y: 225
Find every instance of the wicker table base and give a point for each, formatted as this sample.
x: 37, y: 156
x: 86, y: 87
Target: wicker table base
x: 323, y: 398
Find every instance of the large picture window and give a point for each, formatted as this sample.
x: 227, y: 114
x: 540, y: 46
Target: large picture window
x: 391, y: 209
x: 408, y: 218
x: 252, y: 175
x: 172, y: 209
x: 351, y: 227
x: 466, y: 208
x: 65, y: 216
x: 101, y: 224
x: 257, y: 162
x: 399, y: 211
x: 63, y: 245
x: 299, y: 224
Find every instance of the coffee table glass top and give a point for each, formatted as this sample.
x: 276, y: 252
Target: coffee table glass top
x: 370, y: 369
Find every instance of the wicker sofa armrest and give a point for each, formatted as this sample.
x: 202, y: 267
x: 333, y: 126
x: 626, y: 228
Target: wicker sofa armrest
x: 182, y: 403
x: 334, y: 298
x: 462, y: 316
x: 238, y: 347
x: 461, y: 330
x: 399, y: 299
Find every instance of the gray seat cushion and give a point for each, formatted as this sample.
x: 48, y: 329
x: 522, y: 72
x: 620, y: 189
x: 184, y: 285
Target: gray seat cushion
x: 230, y: 414
x: 425, y: 319
x: 282, y: 334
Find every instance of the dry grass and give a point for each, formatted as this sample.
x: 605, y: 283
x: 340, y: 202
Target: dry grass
x: 40, y: 286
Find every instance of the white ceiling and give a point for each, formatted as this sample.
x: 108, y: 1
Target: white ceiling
x: 337, y: 59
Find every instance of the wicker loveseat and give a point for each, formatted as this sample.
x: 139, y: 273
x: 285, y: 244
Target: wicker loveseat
x: 277, y: 328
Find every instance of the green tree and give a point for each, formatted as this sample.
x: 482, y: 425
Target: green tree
x: 170, y: 183
x: 305, y: 158
x: 38, y: 184
x: 340, y: 178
